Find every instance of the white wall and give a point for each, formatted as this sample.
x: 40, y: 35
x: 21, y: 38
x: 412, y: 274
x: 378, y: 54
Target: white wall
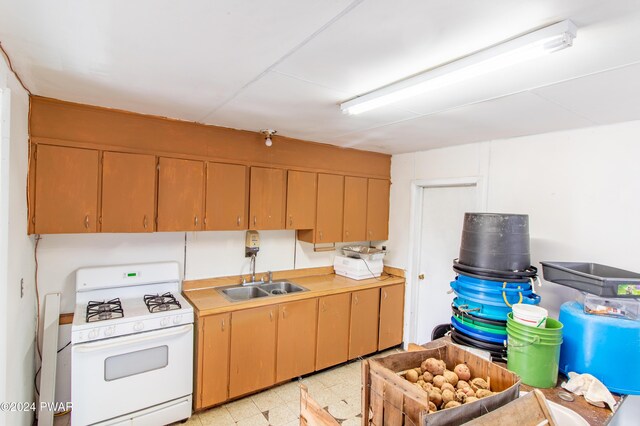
x: 17, y: 327
x: 580, y: 189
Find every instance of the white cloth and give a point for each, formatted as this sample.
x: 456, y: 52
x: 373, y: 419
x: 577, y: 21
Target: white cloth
x: 592, y: 389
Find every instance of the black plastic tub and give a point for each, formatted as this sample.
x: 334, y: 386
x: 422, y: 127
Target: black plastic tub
x: 495, y: 241
x: 601, y: 280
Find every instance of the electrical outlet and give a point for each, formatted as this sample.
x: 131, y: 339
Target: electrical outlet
x: 21, y: 288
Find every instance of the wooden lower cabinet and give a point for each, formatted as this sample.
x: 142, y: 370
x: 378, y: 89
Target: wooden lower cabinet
x: 297, y: 323
x: 363, y: 332
x: 391, y: 316
x: 333, y: 330
x: 252, y: 365
x: 213, y: 360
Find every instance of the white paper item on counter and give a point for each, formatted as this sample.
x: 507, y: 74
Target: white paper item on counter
x: 593, y: 390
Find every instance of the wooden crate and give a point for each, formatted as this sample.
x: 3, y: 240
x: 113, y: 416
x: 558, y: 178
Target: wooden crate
x: 311, y: 413
x: 390, y: 400
x: 530, y: 410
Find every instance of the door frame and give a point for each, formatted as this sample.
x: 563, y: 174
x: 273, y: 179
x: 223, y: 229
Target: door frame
x: 415, y: 238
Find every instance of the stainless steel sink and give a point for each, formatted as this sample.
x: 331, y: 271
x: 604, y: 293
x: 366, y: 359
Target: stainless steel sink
x: 278, y: 288
x: 239, y: 293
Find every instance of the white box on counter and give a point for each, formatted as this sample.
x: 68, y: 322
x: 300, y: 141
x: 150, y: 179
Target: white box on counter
x: 357, y: 269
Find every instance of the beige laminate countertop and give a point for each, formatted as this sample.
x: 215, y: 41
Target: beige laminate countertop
x: 207, y: 301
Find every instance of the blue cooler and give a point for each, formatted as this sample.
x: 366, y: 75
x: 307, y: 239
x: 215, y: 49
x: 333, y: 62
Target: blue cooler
x: 605, y: 347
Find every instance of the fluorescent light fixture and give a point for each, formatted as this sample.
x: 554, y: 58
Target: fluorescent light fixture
x: 529, y: 46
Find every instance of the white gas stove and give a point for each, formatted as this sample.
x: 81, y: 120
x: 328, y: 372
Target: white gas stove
x: 132, y: 346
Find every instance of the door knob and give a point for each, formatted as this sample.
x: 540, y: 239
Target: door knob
x: 421, y: 277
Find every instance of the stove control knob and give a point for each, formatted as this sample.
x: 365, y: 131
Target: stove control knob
x: 138, y: 326
x: 177, y: 319
x: 93, y: 333
x: 109, y: 331
x: 164, y: 322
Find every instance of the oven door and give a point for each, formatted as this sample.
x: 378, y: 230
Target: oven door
x: 118, y: 376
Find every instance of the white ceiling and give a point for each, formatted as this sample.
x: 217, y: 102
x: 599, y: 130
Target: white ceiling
x: 287, y: 64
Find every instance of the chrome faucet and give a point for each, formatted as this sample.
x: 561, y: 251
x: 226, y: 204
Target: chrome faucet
x: 253, y: 268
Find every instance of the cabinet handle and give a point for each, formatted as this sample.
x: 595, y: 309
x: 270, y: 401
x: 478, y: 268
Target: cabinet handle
x: 356, y: 299
x: 320, y: 235
x: 284, y: 312
x: 290, y: 220
x: 384, y: 293
x: 195, y: 221
x: 346, y: 233
x: 369, y: 233
x: 254, y: 220
x: 271, y: 315
x: 238, y: 221
x: 324, y: 306
x: 86, y: 221
x: 144, y: 222
x: 222, y: 325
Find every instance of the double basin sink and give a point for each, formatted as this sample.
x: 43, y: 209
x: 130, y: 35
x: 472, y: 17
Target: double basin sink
x: 244, y: 292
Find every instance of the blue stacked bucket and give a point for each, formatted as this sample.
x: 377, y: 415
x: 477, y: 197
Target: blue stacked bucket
x: 493, y: 273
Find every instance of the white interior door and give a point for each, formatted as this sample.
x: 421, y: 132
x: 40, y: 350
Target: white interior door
x: 443, y: 210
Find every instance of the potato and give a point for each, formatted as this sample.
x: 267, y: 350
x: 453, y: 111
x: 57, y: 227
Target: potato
x: 470, y: 399
x: 427, y: 386
x: 452, y: 404
x: 411, y: 376
x: 468, y: 391
x: 479, y: 383
x: 451, y: 377
x: 438, y: 381
x: 435, y: 397
x: 448, y: 386
x: 462, y: 384
x: 460, y: 396
x: 435, y: 366
x: 483, y: 393
x: 427, y: 377
x: 432, y: 407
x: 447, y: 396
x: 462, y: 371
x: 420, y: 381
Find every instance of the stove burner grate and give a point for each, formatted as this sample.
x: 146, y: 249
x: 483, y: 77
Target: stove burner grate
x: 161, y: 302
x: 104, y: 310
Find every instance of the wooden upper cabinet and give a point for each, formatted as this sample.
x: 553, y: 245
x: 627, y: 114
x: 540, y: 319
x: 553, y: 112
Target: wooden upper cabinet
x: 329, y: 211
x: 355, y: 209
x: 391, y: 316
x: 296, y: 339
x: 213, y: 361
x: 128, y: 192
x: 363, y: 334
x: 378, y: 209
x: 227, y: 200
x: 66, y: 190
x: 301, y: 199
x: 267, y: 198
x: 333, y: 330
x: 180, y: 195
x: 252, y: 365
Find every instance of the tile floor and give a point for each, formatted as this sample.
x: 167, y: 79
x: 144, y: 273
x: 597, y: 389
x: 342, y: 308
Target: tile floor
x: 337, y: 389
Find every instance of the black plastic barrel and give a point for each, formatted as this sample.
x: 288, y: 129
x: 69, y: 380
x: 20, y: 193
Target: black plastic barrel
x: 495, y: 241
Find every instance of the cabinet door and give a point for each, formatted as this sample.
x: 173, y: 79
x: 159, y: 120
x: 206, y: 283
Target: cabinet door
x: 253, y: 350
x: 330, y: 208
x: 296, y: 339
x: 267, y: 199
x: 355, y: 209
x: 333, y: 330
x: 227, y: 198
x: 391, y: 316
x: 363, y: 335
x: 180, y: 195
x: 128, y: 192
x: 214, y: 361
x: 378, y: 210
x: 66, y: 190
x: 301, y: 199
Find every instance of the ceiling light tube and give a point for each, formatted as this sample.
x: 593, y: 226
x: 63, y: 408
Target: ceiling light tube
x: 529, y: 46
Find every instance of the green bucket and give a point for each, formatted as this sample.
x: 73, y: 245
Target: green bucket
x: 534, y: 353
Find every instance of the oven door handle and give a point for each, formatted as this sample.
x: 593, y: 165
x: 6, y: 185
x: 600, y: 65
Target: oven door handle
x: 136, y: 338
